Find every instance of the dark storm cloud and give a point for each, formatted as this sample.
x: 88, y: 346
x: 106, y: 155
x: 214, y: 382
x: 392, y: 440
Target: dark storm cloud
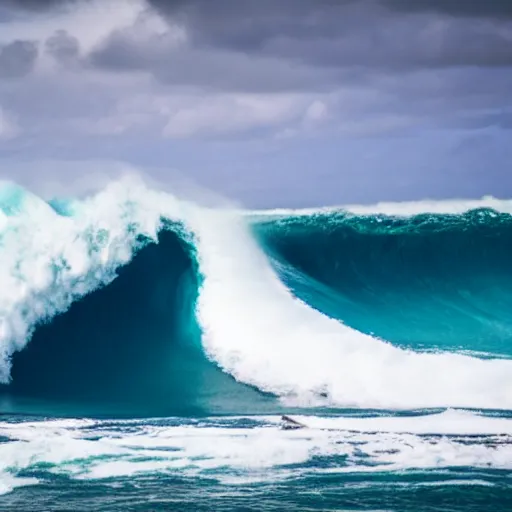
x: 300, y: 44
x: 382, y: 34
x: 251, y: 25
x: 17, y: 59
x: 479, y: 8
x: 350, y: 32
x: 220, y: 69
x: 405, y: 59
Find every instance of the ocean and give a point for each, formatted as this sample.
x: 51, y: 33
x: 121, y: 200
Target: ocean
x: 149, y: 347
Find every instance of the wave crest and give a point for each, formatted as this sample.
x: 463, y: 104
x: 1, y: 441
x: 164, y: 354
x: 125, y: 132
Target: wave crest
x: 250, y: 322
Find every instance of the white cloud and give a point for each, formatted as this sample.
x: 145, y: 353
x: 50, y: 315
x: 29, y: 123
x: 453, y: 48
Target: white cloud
x: 89, y: 22
x: 316, y: 111
x: 234, y: 113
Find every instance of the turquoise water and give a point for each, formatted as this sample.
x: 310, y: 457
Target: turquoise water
x: 245, y: 464
x: 427, y: 281
x: 149, y: 346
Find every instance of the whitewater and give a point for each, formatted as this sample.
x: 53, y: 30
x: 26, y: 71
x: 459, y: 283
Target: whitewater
x: 146, y: 338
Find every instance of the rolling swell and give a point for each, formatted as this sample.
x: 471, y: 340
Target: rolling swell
x: 427, y: 281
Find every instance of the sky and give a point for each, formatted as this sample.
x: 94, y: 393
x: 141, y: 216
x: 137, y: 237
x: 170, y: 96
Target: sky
x: 266, y: 102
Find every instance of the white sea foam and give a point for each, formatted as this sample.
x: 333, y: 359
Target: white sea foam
x: 399, y: 209
x: 232, y: 454
x: 449, y: 422
x: 252, y: 325
x: 8, y: 482
x: 49, y: 260
x: 257, y: 331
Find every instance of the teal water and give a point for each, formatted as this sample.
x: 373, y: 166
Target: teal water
x: 131, y: 348
x: 244, y: 464
x: 427, y: 281
x: 149, y: 347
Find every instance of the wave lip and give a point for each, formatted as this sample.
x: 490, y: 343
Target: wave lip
x: 50, y: 260
x: 281, y: 345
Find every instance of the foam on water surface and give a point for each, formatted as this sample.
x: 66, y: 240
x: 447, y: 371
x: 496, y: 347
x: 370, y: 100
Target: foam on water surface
x: 251, y: 449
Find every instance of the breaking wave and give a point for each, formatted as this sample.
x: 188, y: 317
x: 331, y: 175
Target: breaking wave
x: 133, y: 295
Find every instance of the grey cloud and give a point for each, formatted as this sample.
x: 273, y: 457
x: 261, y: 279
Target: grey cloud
x: 463, y: 8
x: 423, y: 69
x: 64, y: 47
x: 206, y: 68
x: 40, y: 5
x: 307, y: 46
x: 501, y: 120
x: 262, y: 50
x: 482, y: 8
x: 261, y: 27
x: 382, y: 34
x: 121, y: 52
x: 17, y: 59
x: 248, y: 25
x: 458, y: 97
x: 401, y: 44
x: 253, y: 24
x: 230, y: 8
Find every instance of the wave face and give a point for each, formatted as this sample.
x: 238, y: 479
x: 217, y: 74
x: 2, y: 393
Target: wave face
x: 427, y: 281
x: 135, y: 301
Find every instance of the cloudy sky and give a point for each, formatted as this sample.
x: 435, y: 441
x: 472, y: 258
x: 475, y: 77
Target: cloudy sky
x: 269, y: 102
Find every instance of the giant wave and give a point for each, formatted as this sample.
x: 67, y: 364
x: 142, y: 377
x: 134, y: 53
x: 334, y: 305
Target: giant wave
x: 134, y: 295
